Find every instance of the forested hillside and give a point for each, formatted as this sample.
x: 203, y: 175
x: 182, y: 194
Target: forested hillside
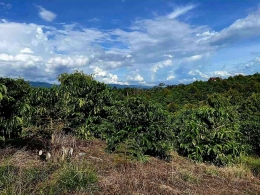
x: 214, y: 122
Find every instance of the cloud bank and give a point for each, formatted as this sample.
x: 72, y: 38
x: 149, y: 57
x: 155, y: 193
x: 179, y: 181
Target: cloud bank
x: 150, y: 51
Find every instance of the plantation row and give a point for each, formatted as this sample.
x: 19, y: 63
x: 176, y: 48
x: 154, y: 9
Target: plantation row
x: 214, y: 121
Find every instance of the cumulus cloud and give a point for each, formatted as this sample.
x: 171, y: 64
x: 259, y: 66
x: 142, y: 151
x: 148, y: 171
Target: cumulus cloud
x: 19, y: 57
x: 162, y: 49
x: 46, y: 14
x: 106, y: 76
x: 65, y: 62
x: 197, y: 72
x: 220, y: 73
x: 171, y: 77
x: 136, y: 78
x: 26, y: 50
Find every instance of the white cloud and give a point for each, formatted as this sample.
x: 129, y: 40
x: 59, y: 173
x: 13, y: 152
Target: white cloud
x: 171, y: 77
x: 206, y: 35
x: 64, y: 62
x: 243, y: 28
x: 221, y: 73
x: 26, y: 50
x: 197, y: 72
x: 162, y: 48
x: 161, y: 64
x: 180, y: 11
x: 136, y: 78
x: 106, y: 77
x: 19, y: 57
x: 195, y: 57
x: 46, y: 14
x: 99, y: 72
x: 4, y: 21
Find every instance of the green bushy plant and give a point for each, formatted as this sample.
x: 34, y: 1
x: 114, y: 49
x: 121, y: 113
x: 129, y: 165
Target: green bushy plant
x: 250, y: 122
x: 83, y: 102
x: 208, y: 134
x: 143, y: 126
x: 14, y: 106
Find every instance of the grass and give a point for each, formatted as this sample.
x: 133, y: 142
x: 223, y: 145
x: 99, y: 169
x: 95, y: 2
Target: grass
x: 100, y: 173
x: 252, y: 163
x: 53, y: 180
x: 17, y: 180
x: 71, y: 178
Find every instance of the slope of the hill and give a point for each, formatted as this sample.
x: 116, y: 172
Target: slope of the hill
x: 90, y: 170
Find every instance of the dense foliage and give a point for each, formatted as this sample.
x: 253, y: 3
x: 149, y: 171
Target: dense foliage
x: 213, y: 121
x: 14, y: 106
x: 208, y: 134
x: 143, y: 127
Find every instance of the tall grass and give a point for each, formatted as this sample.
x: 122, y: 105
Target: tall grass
x: 49, y: 179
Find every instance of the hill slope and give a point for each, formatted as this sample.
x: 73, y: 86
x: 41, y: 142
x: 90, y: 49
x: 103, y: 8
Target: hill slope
x: 115, y: 173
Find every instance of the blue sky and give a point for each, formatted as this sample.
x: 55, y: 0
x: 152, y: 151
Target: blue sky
x: 129, y: 41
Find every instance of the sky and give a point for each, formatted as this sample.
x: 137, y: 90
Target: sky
x: 130, y: 42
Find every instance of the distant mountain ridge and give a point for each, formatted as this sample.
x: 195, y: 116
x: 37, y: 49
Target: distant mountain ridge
x: 40, y: 84
x: 48, y: 85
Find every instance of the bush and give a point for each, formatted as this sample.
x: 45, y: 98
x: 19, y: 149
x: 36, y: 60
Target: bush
x: 143, y: 127
x: 83, y: 102
x: 208, y: 135
x: 250, y: 126
x: 14, y: 106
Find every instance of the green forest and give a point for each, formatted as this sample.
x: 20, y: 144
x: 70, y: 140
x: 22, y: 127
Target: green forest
x: 215, y: 122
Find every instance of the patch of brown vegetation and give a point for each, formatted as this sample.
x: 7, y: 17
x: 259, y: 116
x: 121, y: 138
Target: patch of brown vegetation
x: 120, y: 174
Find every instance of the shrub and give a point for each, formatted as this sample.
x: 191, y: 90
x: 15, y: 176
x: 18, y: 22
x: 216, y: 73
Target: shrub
x: 208, y: 135
x: 142, y: 126
x: 83, y: 102
x: 250, y: 126
x: 14, y: 106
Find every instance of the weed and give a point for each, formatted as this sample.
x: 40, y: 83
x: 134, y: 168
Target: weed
x: 188, y: 176
x: 252, y: 163
x: 72, y: 177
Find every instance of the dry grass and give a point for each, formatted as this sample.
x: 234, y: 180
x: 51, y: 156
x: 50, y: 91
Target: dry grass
x: 119, y: 174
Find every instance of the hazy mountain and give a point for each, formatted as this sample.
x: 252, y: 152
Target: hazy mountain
x: 40, y: 84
